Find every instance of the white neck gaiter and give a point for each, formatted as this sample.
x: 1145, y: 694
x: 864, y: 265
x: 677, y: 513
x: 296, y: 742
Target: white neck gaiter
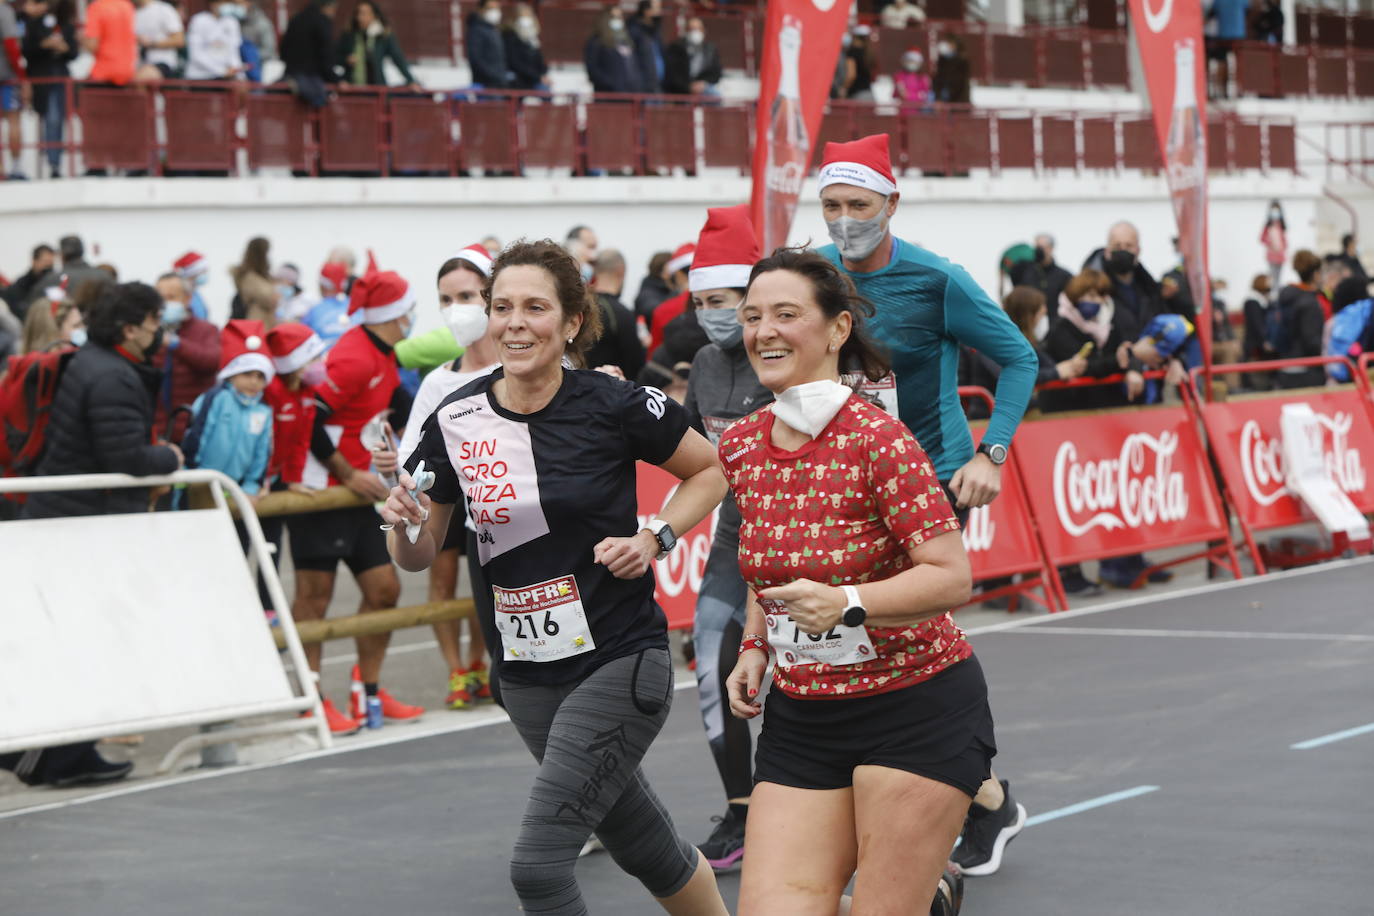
x: 809, y: 408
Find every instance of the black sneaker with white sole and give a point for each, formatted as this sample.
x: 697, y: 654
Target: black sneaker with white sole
x: 986, y: 835
x: 725, y: 847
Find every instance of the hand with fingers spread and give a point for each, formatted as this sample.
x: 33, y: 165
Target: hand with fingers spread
x: 745, y: 682
x: 814, y: 607
x: 627, y: 558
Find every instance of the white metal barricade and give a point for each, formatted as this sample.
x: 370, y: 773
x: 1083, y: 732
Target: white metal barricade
x: 117, y: 624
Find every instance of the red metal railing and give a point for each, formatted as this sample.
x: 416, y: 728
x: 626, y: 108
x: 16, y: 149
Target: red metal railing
x: 181, y: 127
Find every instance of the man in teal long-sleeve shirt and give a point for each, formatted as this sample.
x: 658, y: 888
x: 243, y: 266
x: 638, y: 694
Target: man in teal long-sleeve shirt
x: 925, y: 308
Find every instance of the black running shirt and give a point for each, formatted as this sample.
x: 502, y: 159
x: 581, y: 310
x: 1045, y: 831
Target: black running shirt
x: 542, y: 490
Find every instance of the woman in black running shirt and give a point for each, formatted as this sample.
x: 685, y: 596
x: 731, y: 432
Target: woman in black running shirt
x: 543, y: 458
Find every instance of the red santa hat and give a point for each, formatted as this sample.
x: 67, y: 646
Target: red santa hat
x: 478, y: 256
x: 381, y: 297
x: 864, y: 163
x: 726, y: 250
x: 335, y: 273
x: 243, y: 348
x: 191, y: 264
x: 682, y: 258
x: 293, y: 345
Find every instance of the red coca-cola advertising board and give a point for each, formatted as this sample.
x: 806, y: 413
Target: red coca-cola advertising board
x: 677, y: 577
x: 1112, y: 484
x: 1169, y: 34
x: 801, y: 43
x: 998, y: 536
x: 1247, y: 442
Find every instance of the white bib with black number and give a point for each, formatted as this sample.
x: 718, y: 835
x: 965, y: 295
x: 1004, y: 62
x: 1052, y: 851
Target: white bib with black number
x: 542, y: 623
x: 792, y: 645
x: 883, y: 393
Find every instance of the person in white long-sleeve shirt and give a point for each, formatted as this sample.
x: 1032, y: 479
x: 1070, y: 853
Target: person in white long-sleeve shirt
x: 213, y: 40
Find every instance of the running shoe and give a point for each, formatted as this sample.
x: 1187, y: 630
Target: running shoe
x: 479, y: 682
x: 393, y: 710
x: 458, y: 695
x: 725, y: 847
x: 986, y: 835
x: 339, y: 724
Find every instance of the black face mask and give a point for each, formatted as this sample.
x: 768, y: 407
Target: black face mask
x: 1120, y: 262
x: 153, y: 347
x: 1041, y: 255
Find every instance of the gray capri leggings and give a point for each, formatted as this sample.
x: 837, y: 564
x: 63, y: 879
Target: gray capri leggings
x: 589, y: 738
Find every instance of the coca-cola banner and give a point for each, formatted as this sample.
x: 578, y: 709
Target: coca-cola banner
x: 998, y: 536
x: 1248, y: 446
x: 1118, y: 483
x: 677, y: 577
x: 1169, y: 34
x: 791, y: 101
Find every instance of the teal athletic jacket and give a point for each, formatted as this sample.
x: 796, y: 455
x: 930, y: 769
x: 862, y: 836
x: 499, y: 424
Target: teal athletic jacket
x: 926, y: 307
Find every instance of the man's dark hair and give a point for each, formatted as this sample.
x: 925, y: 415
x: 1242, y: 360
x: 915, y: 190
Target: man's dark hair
x: 1346, y: 240
x: 71, y: 248
x: 119, y: 305
x: 575, y: 233
x: 41, y: 250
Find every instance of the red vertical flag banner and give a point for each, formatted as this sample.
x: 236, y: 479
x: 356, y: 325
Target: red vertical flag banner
x: 1169, y: 33
x: 801, y: 44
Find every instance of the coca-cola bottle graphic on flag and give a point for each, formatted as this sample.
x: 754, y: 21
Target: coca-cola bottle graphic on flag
x: 1186, y: 161
x: 789, y: 148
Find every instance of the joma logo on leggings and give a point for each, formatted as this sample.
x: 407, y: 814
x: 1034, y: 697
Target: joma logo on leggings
x: 611, y: 745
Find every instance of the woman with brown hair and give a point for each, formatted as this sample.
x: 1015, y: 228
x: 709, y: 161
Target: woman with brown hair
x: 853, y: 559
x: 543, y: 459
x: 255, y: 264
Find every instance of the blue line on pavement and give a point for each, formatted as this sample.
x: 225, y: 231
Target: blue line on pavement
x: 1090, y: 804
x: 1332, y: 738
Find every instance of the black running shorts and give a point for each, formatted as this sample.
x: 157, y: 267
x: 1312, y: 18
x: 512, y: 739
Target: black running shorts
x: 319, y: 540
x: 940, y: 728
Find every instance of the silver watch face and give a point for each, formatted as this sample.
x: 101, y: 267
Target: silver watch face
x: 997, y: 453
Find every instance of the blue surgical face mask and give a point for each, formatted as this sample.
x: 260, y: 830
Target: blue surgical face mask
x: 587, y: 273
x: 79, y: 337
x: 1088, y: 309
x: 202, y: 279
x: 721, y: 326
x: 173, y: 314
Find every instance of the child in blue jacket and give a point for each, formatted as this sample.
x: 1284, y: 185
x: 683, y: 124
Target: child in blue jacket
x: 232, y: 427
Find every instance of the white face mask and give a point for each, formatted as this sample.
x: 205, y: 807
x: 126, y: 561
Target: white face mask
x: 79, y: 337
x: 809, y: 408
x: 696, y: 38
x: 1042, y: 327
x: 466, y: 321
x: 858, y: 238
x: 493, y: 15
x: 616, y: 25
x: 314, y: 374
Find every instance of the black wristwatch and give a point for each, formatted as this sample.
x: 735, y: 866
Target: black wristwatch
x: 663, y: 533
x: 854, y: 613
x: 997, y: 454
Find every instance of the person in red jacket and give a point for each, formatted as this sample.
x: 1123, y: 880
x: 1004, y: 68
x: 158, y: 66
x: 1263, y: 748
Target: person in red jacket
x: 296, y: 354
x: 360, y: 384
x: 192, y: 346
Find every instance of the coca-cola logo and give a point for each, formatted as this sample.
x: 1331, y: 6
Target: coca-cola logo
x: 1261, y: 459
x: 786, y: 178
x: 1138, y: 487
x: 980, y: 530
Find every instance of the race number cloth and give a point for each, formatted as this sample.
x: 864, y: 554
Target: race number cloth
x: 792, y: 645
x: 842, y: 510
x: 542, y: 623
x: 542, y: 490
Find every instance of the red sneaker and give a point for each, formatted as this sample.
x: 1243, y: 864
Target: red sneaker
x: 339, y: 724
x: 479, y: 682
x: 458, y: 696
x: 396, y: 711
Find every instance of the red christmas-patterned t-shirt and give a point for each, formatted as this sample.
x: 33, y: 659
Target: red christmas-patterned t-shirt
x: 843, y: 510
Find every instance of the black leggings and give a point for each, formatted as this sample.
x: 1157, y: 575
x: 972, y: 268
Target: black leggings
x: 717, y: 629
x: 589, y: 738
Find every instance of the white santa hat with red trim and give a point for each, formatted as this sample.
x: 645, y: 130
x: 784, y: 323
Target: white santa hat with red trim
x: 864, y: 163
x: 682, y: 258
x: 243, y: 348
x: 191, y: 264
x: 381, y: 297
x: 293, y: 345
x: 478, y: 257
x: 726, y: 250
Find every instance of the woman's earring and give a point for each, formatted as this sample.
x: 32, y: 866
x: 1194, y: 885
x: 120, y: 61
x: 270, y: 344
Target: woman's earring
x: 570, y: 340
x: 831, y: 348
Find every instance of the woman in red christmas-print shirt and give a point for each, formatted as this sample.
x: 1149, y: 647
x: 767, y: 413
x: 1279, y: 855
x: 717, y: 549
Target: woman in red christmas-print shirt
x: 878, y: 724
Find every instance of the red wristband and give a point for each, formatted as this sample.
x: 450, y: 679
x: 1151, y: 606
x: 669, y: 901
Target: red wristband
x: 753, y: 642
